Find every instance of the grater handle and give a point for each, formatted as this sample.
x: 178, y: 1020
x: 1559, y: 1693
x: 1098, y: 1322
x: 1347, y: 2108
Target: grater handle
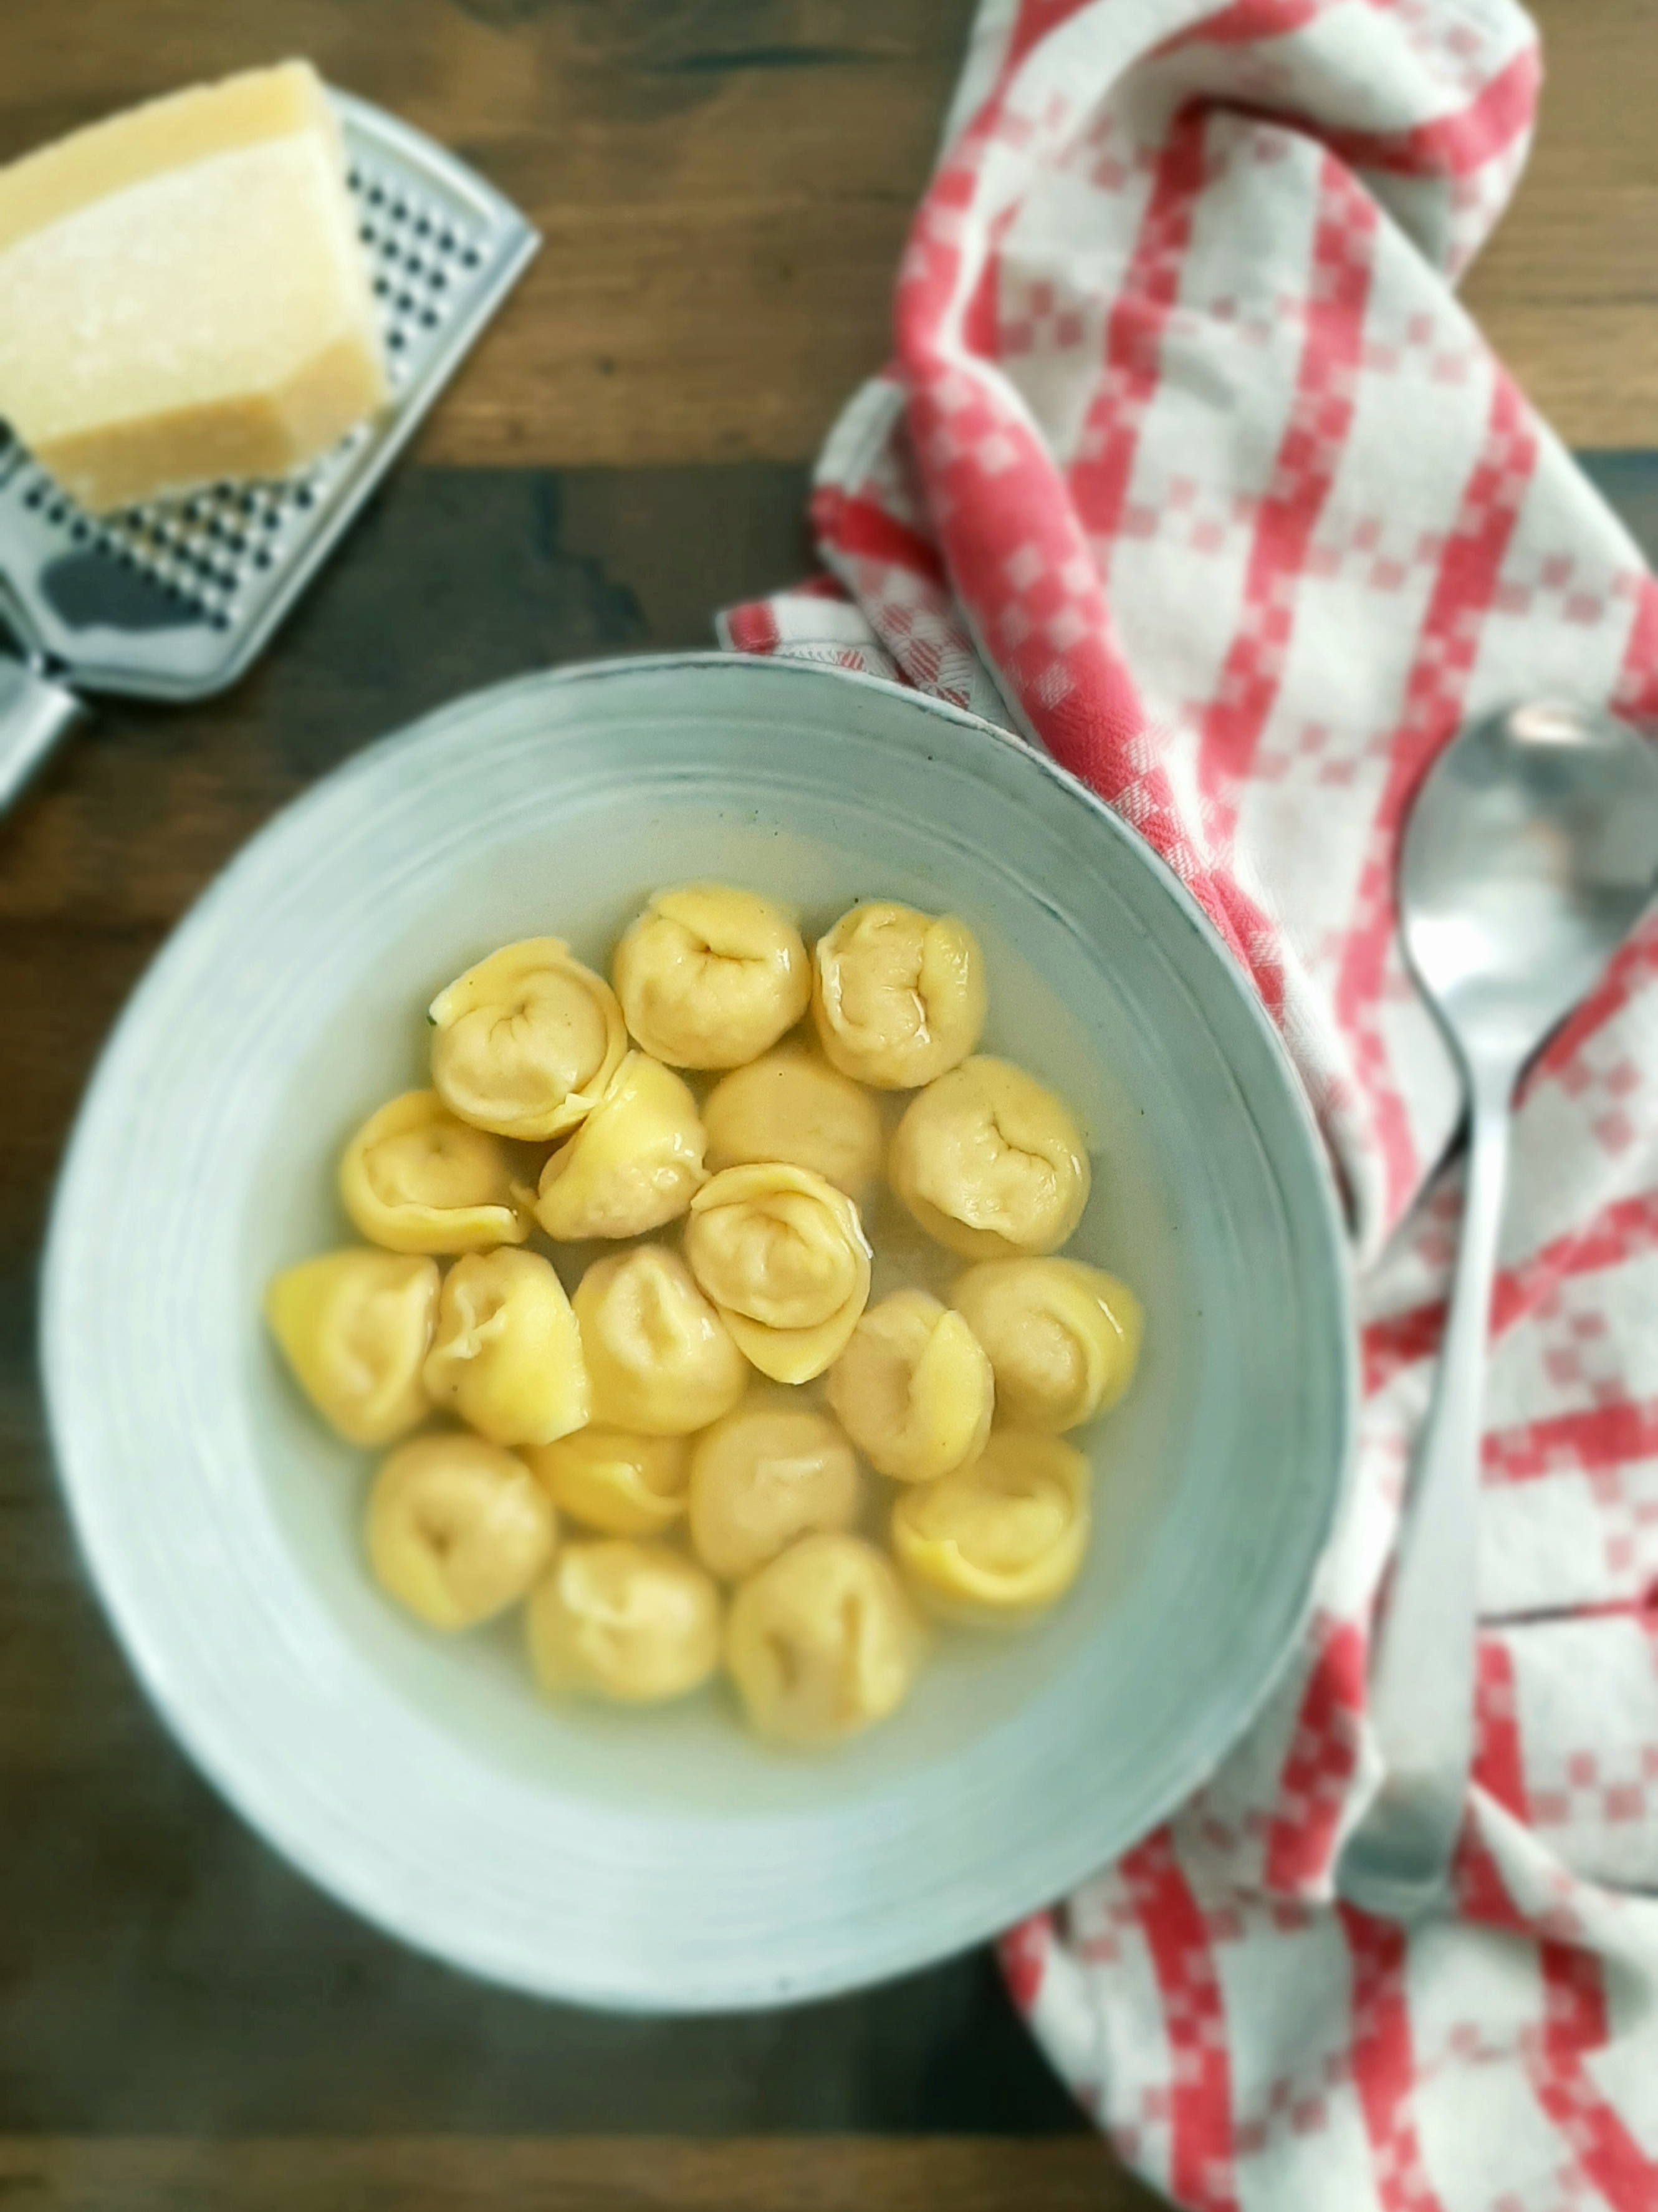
x: 34, y: 713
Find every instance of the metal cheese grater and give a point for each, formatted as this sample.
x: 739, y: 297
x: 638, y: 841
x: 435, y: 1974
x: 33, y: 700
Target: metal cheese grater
x: 173, y: 601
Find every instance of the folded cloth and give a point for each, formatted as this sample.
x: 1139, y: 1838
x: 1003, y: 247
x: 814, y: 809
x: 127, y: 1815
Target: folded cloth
x: 1191, y: 468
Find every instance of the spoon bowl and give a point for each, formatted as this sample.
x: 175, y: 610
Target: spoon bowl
x: 1528, y: 856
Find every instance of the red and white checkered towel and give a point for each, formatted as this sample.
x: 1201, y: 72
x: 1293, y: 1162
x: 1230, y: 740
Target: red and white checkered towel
x: 1190, y: 466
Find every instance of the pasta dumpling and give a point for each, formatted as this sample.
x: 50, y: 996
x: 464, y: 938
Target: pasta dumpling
x: 632, y: 1621
x: 416, y: 1178
x: 914, y: 1389
x: 764, y: 1475
x: 897, y: 997
x: 710, y: 977
x: 1063, y: 1337
x: 635, y: 1162
x: 1003, y: 1537
x: 990, y: 1161
x: 792, y: 1106
x: 526, y: 1041
x: 628, y: 1485
x: 458, y: 1529
x: 507, y: 1356
x: 822, y: 1641
x: 783, y: 1255
x: 354, y: 1326
x: 661, y: 1360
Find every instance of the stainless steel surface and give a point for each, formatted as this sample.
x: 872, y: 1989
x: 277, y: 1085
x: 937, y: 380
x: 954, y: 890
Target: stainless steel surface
x: 1531, y: 851
x: 174, y: 601
x: 34, y: 713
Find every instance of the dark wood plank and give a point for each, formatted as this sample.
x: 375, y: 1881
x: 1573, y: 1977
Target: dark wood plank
x: 724, y: 189
x: 624, y: 2174
x: 452, y: 580
x: 159, y: 1969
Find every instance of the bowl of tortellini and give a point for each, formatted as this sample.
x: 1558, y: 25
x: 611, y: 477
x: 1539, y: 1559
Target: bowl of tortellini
x: 696, y: 1334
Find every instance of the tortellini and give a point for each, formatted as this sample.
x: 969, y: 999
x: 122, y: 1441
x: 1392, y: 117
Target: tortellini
x: 783, y: 1255
x: 631, y: 1621
x: 709, y: 976
x: 914, y: 1389
x: 458, y: 1529
x: 897, y: 997
x: 1062, y: 1337
x: 1003, y: 1537
x: 526, y: 1041
x: 355, y: 1326
x: 715, y: 1112
x: 507, y: 1355
x: 416, y: 1178
x: 626, y: 1484
x: 792, y: 1106
x: 991, y: 1163
x: 634, y: 1164
x: 764, y: 1475
x: 661, y: 1361
x: 822, y: 1641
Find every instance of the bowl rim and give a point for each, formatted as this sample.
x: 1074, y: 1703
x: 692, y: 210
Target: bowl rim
x: 125, y: 1613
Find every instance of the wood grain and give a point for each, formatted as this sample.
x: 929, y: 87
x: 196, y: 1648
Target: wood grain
x: 162, y: 1972
x: 724, y: 187
x: 615, y: 2174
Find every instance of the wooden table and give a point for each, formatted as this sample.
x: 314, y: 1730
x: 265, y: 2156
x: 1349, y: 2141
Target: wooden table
x: 184, y: 2022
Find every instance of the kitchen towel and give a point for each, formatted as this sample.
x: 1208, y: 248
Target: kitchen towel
x: 1190, y: 466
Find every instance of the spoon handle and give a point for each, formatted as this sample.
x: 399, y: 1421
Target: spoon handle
x: 1422, y: 1681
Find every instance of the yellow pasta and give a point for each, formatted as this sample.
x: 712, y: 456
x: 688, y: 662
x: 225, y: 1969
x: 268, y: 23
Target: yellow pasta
x: 416, y: 1178
x: 632, y: 1406
x: 783, y: 1256
x: 507, y: 1355
x: 634, y: 1163
x: 526, y: 1041
x: 709, y: 976
x: 458, y: 1529
x: 820, y: 1642
x: 991, y: 1163
x: 767, y: 1473
x: 354, y: 1326
x: 897, y: 997
x: 1002, y: 1538
x: 661, y: 1361
x: 625, y: 1485
x: 636, y: 1622
x: 1062, y: 1337
x: 914, y: 1389
x: 792, y: 1106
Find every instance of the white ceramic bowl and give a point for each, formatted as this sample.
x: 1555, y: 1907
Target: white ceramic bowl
x: 666, y: 1860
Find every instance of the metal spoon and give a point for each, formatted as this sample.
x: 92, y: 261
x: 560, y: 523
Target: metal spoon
x: 1531, y: 850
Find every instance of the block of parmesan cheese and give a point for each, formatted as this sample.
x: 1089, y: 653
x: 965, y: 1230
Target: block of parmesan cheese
x: 183, y: 296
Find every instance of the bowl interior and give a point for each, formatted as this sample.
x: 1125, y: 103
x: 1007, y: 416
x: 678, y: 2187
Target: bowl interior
x: 666, y: 1857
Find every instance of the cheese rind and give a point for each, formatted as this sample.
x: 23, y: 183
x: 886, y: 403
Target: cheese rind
x: 183, y: 297
x: 173, y: 132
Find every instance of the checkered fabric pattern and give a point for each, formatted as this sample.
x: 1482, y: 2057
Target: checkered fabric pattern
x: 1190, y: 467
